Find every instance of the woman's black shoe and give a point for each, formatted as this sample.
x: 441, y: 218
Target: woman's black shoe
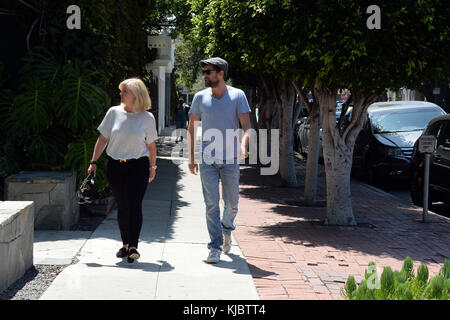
x: 122, y: 253
x: 133, y: 254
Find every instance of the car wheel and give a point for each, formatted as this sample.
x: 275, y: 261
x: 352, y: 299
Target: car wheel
x: 416, y: 190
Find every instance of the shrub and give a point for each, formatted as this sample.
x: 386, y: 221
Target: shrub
x: 445, y: 271
x: 350, y: 287
x: 49, y: 123
x: 400, y: 285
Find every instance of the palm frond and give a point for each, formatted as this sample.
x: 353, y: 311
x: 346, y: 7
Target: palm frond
x: 44, y: 64
x: 31, y: 111
x: 10, y: 158
x: 80, y: 101
x: 45, y: 148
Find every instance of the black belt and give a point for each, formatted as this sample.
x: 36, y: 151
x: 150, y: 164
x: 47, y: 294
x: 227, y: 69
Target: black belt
x: 127, y: 160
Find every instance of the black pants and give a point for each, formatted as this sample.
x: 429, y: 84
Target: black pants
x: 128, y: 181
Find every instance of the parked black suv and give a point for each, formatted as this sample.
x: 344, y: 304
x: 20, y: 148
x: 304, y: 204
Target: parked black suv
x: 384, y: 147
x: 439, y: 165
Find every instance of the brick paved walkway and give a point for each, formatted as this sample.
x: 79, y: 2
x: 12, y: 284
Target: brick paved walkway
x: 292, y: 255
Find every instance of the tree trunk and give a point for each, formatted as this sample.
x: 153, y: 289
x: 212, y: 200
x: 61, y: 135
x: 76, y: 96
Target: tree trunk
x: 338, y: 163
x: 312, y: 160
x: 338, y: 151
x: 287, y: 97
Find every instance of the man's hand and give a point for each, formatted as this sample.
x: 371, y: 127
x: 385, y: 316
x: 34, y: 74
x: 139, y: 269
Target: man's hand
x: 244, y: 119
x: 243, y: 152
x: 193, y: 167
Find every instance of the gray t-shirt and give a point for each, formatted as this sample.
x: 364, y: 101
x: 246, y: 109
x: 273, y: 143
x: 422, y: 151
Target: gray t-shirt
x: 128, y: 133
x: 219, y: 116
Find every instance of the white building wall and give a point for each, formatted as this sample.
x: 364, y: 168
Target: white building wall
x: 163, y: 64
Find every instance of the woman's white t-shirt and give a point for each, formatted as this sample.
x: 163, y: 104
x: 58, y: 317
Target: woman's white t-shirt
x: 128, y: 133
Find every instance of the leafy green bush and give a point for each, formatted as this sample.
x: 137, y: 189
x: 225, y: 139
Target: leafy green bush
x: 48, y: 119
x: 400, y: 285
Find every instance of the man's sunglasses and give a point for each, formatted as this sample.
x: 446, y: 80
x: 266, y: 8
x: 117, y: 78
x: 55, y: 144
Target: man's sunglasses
x: 208, y: 71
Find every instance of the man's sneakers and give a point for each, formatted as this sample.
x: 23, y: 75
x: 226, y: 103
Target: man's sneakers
x: 214, y: 255
x: 226, y: 243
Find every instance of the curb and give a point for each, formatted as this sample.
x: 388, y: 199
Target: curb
x: 402, y: 200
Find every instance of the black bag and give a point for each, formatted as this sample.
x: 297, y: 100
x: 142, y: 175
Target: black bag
x: 88, y: 191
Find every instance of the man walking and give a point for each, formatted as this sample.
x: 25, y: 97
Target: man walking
x: 220, y: 108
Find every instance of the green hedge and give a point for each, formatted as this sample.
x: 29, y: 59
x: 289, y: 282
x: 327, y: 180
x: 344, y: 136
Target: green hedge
x: 400, y: 285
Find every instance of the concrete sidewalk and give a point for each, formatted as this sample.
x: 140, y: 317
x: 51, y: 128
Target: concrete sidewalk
x: 173, y: 248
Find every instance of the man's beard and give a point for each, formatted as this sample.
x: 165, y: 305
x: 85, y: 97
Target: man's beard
x: 210, y: 83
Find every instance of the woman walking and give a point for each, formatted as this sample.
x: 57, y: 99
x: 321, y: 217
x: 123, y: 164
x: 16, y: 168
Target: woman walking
x: 129, y: 131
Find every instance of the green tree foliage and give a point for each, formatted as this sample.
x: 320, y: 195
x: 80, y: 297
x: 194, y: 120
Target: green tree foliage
x: 325, y: 46
x: 113, y: 36
x: 401, y: 285
x: 186, y: 66
x: 69, y: 79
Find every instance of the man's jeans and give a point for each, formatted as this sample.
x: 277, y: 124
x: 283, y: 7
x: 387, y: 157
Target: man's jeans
x: 210, y: 175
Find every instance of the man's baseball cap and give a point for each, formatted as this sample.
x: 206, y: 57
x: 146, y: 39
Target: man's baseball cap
x: 218, y: 62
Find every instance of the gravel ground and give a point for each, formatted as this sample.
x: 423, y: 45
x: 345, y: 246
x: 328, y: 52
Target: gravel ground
x: 39, y: 277
x: 33, y: 284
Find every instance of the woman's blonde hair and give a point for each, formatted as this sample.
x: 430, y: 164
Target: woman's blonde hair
x: 139, y: 90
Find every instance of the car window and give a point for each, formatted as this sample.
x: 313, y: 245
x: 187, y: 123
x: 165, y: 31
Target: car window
x: 444, y: 133
x: 402, y: 120
x: 434, y: 129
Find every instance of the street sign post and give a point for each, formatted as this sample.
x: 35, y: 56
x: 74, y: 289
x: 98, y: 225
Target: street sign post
x: 427, y: 145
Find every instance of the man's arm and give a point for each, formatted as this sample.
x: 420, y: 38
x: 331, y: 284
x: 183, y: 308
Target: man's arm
x: 192, y: 134
x: 244, y: 119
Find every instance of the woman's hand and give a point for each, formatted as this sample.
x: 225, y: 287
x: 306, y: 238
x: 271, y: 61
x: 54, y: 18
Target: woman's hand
x: 152, y: 175
x: 98, y: 149
x: 92, y: 168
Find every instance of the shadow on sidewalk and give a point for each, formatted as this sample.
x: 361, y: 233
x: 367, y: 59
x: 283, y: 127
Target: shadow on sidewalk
x: 144, y: 266
x: 240, y: 265
x: 387, y: 228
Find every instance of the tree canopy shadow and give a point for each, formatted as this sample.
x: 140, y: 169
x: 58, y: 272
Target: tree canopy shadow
x: 386, y: 227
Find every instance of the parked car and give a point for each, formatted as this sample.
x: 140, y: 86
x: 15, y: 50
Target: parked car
x: 439, y: 178
x: 384, y: 148
x: 296, y: 127
x: 301, y: 132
